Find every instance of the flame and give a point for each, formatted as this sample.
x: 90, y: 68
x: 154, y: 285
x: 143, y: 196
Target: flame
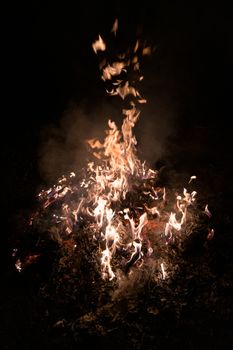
x: 192, y: 178
x: 115, y: 26
x: 136, y: 46
x: 207, y: 212
x: 164, y: 274
x: 210, y: 235
x: 112, y: 70
x: 99, y: 45
x: 146, y: 51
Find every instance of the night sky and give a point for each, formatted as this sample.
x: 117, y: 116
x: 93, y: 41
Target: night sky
x: 51, y: 69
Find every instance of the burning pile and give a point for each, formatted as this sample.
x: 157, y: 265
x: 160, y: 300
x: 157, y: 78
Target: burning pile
x: 117, y: 201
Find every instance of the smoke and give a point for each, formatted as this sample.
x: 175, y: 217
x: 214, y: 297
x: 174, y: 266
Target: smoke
x: 171, y: 86
x: 153, y: 129
x: 63, y: 146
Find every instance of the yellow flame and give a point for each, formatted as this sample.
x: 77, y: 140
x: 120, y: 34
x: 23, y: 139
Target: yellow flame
x: 99, y: 45
x: 115, y: 26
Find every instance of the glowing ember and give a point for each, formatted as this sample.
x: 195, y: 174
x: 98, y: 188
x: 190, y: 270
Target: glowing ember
x: 18, y: 265
x: 117, y: 199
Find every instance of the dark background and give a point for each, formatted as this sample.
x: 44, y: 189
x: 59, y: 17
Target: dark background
x: 50, y: 65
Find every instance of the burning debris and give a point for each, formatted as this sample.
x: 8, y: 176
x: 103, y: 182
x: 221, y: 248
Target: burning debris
x: 117, y: 227
x: 117, y: 200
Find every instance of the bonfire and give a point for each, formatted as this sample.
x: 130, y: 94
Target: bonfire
x: 114, y: 221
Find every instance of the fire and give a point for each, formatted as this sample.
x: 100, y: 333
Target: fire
x: 99, y: 45
x: 118, y: 197
x: 115, y: 26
